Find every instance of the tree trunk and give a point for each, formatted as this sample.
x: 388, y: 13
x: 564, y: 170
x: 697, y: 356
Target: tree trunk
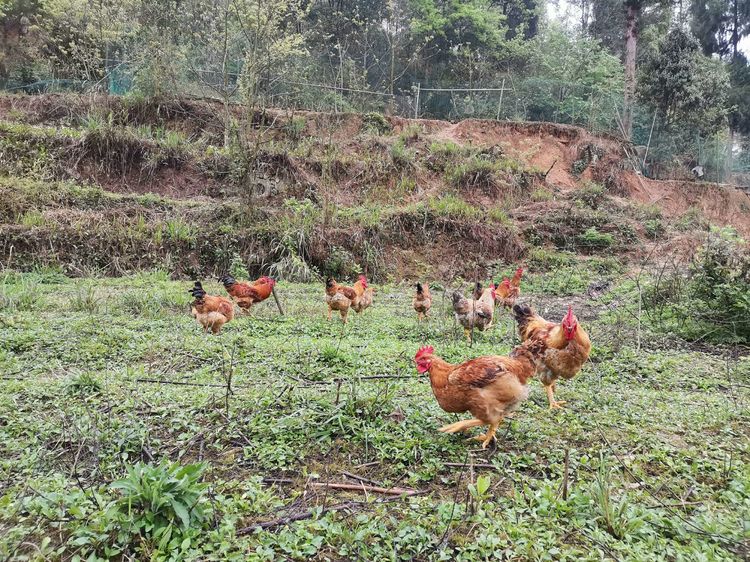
x: 735, y: 29
x: 631, y: 40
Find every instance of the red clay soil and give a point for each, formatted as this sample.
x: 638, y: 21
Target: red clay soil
x: 723, y: 205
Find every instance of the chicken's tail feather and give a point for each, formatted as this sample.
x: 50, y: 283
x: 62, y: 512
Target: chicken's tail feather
x: 523, y: 314
x: 227, y: 280
x: 197, y: 291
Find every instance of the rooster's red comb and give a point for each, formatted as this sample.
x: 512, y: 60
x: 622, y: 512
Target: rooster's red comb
x: 569, y: 317
x: 519, y: 271
x: 506, y: 282
x: 424, y: 351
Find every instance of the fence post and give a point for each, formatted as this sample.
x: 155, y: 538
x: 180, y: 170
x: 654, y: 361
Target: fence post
x: 500, y: 103
x: 416, y: 103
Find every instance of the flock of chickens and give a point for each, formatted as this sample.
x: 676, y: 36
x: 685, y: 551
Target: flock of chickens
x: 492, y: 387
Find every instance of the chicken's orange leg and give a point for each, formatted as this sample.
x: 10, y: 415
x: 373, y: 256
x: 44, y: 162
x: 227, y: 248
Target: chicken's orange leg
x: 462, y: 425
x: 489, y: 436
x: 553, y: 404
x: 329, y: 313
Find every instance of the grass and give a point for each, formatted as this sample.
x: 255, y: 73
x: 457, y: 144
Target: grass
x: 95, y: 460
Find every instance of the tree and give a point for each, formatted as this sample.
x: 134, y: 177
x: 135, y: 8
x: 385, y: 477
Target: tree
x: 720, y: 25
x: 739, y: 95
x: 685, y: 86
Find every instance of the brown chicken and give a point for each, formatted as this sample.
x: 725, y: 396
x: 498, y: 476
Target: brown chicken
x: 210, y: 311
x: 422, y: 301
x: 567, y: 346
x: 477, y: 312
x: 491, y: 387
x: 341, y: 297
x: 509, y: 290
x: 246, y: 294
x: 365, y: 293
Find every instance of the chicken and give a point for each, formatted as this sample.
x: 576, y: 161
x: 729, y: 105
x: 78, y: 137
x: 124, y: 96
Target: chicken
x: 567, y: 346
x: 422, y: 301
x: 245, y: 294
x: 210, y: 311
x: 490, y: 387
x: 509, y: 290
x: 475, y: 313
x: 365, y: 293
x: 516, y: 281
x: 341, y: 297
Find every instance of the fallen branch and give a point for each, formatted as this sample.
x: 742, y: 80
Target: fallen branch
x: 351, y: 487
x: 180, y: 383
x: 476, y: 465
x: 292, y: 518
x: 550, y: 169
x: 360, y: 478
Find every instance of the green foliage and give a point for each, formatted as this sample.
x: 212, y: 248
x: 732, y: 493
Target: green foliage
x: 84, y: 384
x: 376, y: 123
x: 687, y: 88
x: 572, y: 79
x: 295, y: 128
x: 452, y: 206
x: 590, y: 194
x: 615, y: 515
x: 593, y: 241
x: 713, y: 302
x: 161, y: 503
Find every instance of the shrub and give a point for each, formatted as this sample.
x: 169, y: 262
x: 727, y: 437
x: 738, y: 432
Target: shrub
x: 376, y: 123
x: 713, y: 302
x: 592, y: 240
x: 591, y: 195
x: 400, y: 155
x: 721, y: 280
x: 295, y: 128
x: 654, y: 228
x: 451, y: 206
x: 473, y: 173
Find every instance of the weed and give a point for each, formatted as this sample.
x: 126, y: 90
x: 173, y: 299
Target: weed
x: 295, y: 128
x: 590, y: 194
x: 614, y: 514
x: 178, y: 230
x: 85, y: 300
x: 452, y: 206
x: 654, y: 228
x: 473, y: 173
x: 162, y: 502
x: 594, y: 241
x: 400, y: 155
x: 376, y: 123
x: 84, y: 384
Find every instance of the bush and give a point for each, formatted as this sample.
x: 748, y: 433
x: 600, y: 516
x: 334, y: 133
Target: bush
x: 591, y: 195
x: 161, y: 502
x: 376, y: 123
x: 721, y: 281
x: 713, y: 302
x: 593, y: 241
x: 473, y: 173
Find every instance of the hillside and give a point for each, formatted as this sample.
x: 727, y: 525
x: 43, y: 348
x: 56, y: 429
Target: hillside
x: 145, y: 184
